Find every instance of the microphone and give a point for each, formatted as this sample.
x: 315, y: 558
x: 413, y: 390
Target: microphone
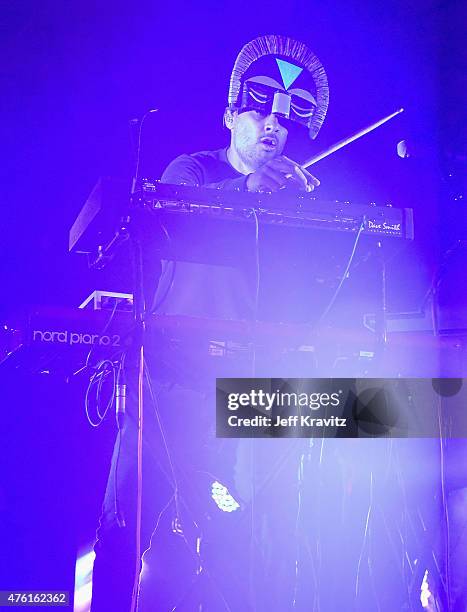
x: 134, y: 121
x: 137, y: 125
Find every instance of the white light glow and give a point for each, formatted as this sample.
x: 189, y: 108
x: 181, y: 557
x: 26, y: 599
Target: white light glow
x: 222, y: 497
x: 425, y: 593
x: 83, y: 582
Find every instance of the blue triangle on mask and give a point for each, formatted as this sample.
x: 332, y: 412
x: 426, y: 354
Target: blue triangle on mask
x: 289, y: 72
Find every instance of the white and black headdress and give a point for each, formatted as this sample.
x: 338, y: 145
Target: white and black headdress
x: 280, y: 75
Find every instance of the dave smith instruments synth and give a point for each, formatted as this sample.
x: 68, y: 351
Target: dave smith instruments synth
x: 296, y: 210
x: 195, y: 206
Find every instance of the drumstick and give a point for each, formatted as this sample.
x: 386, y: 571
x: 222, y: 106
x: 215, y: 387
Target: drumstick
x: 346, y: 141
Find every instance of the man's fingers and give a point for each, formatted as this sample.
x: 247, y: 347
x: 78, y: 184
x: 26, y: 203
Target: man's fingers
x: 276, y: 180
x: 266, y: 179
x: 280, y: 173
x: 312, y: 180
x: 294, y: 170
x: 287, y: 170
x: 301, y: 177
x: 282, y: 164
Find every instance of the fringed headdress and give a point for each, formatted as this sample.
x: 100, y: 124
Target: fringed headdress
x: 280, y: 75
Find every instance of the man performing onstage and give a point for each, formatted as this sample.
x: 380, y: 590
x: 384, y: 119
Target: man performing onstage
x: 277, y: 84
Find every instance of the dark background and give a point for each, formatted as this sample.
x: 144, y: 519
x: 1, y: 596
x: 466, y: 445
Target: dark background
x: 73, y: 75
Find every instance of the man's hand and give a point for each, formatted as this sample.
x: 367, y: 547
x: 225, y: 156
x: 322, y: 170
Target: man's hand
x: 281, y: 173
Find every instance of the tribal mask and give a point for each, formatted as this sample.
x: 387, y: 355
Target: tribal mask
x: 275, y: 74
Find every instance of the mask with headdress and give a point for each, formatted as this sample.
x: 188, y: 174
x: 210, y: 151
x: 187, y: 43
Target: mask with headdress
x: 276, y: 74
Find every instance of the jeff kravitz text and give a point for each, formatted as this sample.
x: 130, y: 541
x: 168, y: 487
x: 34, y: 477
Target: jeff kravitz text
x: 293, y: 420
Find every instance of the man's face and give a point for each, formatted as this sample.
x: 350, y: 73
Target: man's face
x: 257, y: 137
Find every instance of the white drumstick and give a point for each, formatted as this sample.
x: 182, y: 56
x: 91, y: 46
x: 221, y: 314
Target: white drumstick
x: 346, y: 141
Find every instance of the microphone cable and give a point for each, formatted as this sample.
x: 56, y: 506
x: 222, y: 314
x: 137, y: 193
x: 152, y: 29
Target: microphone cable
x: 345, y: 275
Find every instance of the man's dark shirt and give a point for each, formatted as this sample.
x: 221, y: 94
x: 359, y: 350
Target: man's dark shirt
x: 204, y: 289
x: 207, y: 169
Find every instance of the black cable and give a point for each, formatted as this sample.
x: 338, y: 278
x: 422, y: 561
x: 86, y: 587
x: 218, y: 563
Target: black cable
x: 257, y: 288
x: 441, y: 269
x: 138, y: 150
x: 118, y: 514
x: 436, y: 282
x: 162, y: 432
x: 103, y: 369
x: 93, y: 347
x: 166, y: 293
x: 101, y: 375
x: 345, y: 275
x: 176, y: 496
x: 120, y: 416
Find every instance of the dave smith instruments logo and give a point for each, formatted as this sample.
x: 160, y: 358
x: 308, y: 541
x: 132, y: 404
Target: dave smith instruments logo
x: 74, y: 338
x: 390, y: 227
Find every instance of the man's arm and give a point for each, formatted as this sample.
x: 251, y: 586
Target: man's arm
x: 278, y: 173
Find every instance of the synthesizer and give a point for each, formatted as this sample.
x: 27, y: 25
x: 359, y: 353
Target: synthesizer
x: 187, y: 210
x: 281, y: 208
x: 47, y: 339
